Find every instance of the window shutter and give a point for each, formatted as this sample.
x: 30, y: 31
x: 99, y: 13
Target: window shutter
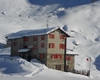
x: 60, y: 56
x: 52, y: 56
x: 49, y: 45
x: 41, y: 56
x: 53, y: 45
x: 60, y: 36
x: 64, y: 46
x: 42, y: 37
x: 15, y: 43
x: 68, y: 58
x: 50, y: 35
x: 25, y: 38
x: 42, y: 45
x: 60, y: 46
x: 56, y: 56
x: 35, y: 38
x: 34, y: 47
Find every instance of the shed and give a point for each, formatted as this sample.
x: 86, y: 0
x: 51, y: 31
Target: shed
x: 70, y: 60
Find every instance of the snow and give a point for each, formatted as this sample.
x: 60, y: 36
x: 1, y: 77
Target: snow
x: 81, y: 21
x: 23, y: 50
x: 71, y: 52
x: 23, y: 33
x: 30, y: 33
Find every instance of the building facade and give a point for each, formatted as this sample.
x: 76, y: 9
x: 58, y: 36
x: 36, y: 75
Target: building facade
x: 48, y: 46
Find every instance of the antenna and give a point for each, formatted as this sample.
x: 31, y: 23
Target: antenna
x: 47, y: 24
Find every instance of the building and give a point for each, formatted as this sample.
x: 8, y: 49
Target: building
x: 47, y: 45
x: 70, y: 60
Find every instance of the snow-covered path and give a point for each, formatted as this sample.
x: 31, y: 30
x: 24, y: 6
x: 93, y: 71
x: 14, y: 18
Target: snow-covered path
x: 40, y: 67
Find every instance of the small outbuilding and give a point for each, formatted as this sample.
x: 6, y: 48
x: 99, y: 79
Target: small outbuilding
x: 70, y: 60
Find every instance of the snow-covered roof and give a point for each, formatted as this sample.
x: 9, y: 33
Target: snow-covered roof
x: 22, y: 33
x: 24, y: 50
x: 71, y: 53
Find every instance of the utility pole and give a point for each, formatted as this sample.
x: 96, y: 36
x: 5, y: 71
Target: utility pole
x: 89, y: 60
x: 89, y: 65
x: 65, y: 56
x: 47, y: 24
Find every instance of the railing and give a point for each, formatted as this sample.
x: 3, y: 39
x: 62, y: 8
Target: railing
x: 82, y: 72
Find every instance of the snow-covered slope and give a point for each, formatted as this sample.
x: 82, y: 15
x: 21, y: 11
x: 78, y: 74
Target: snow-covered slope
x: 82, y: 22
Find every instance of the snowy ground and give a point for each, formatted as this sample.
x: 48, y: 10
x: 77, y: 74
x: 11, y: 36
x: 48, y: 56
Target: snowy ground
x: 83, y: 24
x: 18, y: 68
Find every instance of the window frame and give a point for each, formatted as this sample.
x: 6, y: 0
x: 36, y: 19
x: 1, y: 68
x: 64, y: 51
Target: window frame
x: 15, y: 43
x: 62, y: 46
x: 52, y: 36
x: 43, y: 37
x: 52, y: 45
x: 34, y: 47
x: 62, y: 36
x: 41, y: 56
x: 42, y: 45
x: 25, y: 39
x: 35, y: 38
x: 58, y: 67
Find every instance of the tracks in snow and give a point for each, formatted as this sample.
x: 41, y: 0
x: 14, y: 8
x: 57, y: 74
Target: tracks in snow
x: 40, y: 66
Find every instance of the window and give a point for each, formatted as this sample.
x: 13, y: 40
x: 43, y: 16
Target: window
x: 41, y: 56
x: 51, y: 45
x: 25, y: 38
x: 43, y: 37
x: 68, y: 58
x: 51, y: 36
x: 56, y: 56
x: 35, y: 38
x: 60, y: 56
x: 53, y: 56
x: 15, y: 51
x: 62, y: 36
x: 34, y: 47
x: 58, y: 67
x: 25, y: 46
x: 15, y: 43
x: 61, y: 46
x: 34, y: 56
x: 42, y: 45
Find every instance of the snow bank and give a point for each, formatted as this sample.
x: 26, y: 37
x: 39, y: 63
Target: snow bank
x: 16, y: 65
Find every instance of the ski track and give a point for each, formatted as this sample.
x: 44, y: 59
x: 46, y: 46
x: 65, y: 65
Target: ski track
x: 38, y: 69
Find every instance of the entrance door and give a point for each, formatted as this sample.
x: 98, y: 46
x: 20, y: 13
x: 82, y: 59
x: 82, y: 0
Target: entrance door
x: 24, y: 55
x: 67, y: 68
